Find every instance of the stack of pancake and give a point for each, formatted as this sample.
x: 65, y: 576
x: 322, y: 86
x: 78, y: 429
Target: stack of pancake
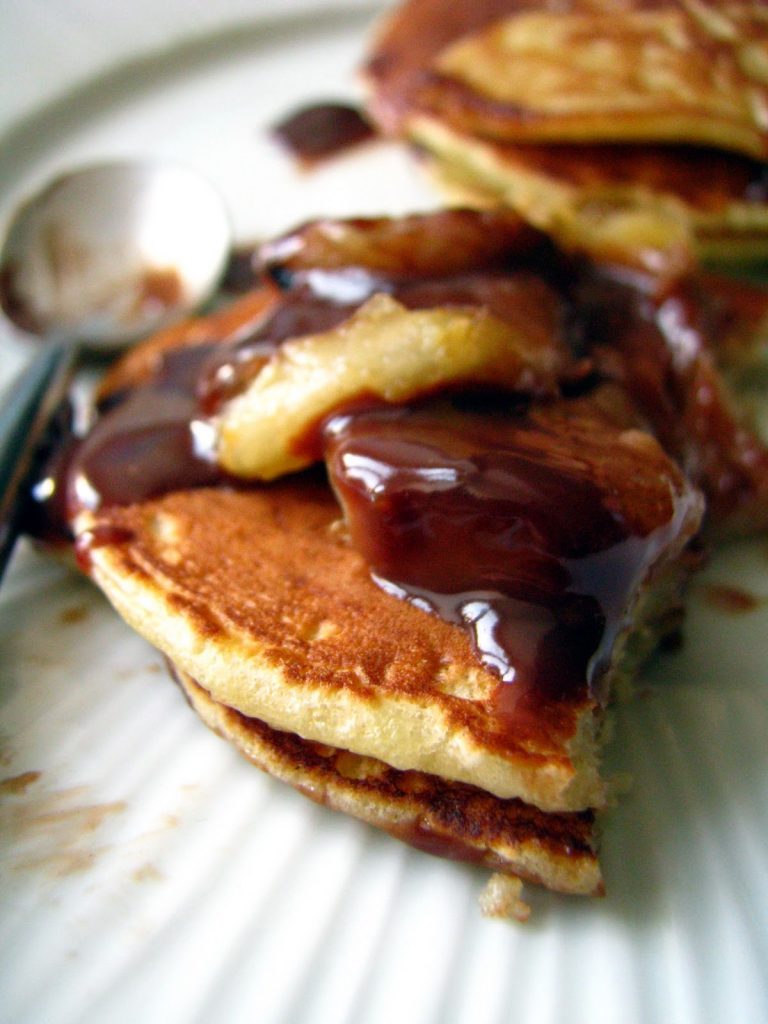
x: 404, y: 517
x: 425, y: 633
x: 637, y: 131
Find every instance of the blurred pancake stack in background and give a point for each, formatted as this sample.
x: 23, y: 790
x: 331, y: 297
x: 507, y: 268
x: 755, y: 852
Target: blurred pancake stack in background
x: 636, y: 131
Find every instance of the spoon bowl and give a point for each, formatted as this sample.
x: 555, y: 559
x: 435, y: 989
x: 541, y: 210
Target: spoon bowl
x: 98, y: 258
x: 109, y: 252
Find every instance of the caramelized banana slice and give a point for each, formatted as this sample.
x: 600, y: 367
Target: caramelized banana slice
x: 421, y: 245
x: 383, y: 350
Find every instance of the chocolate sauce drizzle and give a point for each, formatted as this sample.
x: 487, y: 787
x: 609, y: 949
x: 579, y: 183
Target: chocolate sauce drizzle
x: 509, y: 525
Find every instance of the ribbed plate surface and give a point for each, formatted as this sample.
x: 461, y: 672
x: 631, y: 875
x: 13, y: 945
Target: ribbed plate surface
x: 150, y: 875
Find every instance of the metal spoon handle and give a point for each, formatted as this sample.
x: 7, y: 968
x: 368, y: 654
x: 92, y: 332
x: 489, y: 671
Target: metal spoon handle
x: 26, y: 408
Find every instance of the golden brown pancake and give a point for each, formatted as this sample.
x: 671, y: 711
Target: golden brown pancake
x: 448, y: 819
x: 657, y: 207
x: 616, y: 128
x: 259, y: 596
x: 584, y: 70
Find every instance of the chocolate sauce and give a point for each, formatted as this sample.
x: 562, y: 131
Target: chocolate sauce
x: 322, y: 130
x: 148, y: 444
x: 159, y: 288
x: 99, y: 536
x: 513, y: 526
x: 658, y: 347
x: 240, y: 274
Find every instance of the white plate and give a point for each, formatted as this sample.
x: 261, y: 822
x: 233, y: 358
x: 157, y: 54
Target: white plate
x: 148, y: 873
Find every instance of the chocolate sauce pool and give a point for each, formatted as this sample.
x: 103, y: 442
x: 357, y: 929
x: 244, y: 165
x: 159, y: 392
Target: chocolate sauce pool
x: 322, y: 130
x: 148, y: 444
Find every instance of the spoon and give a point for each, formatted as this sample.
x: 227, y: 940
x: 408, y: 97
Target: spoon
x: 97, y: 258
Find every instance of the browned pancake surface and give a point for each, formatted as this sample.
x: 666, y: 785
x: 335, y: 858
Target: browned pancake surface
x: 272, y: 567
x: 408, y: 41
x: 448, y: 819
x: 705, y: 179
x: 637, y: 70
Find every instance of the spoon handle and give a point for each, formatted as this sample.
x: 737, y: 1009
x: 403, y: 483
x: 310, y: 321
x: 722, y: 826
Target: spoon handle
x: 26, y: 408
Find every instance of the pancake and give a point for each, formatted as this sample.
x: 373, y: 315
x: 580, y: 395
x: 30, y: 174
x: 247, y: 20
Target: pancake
x: 448, y: 819
x: 356, y: 667
x: 681, y: 71
x: 580, y: 70
x: 655, y: 207
x: 617, y: 130
x: 259, y: 596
